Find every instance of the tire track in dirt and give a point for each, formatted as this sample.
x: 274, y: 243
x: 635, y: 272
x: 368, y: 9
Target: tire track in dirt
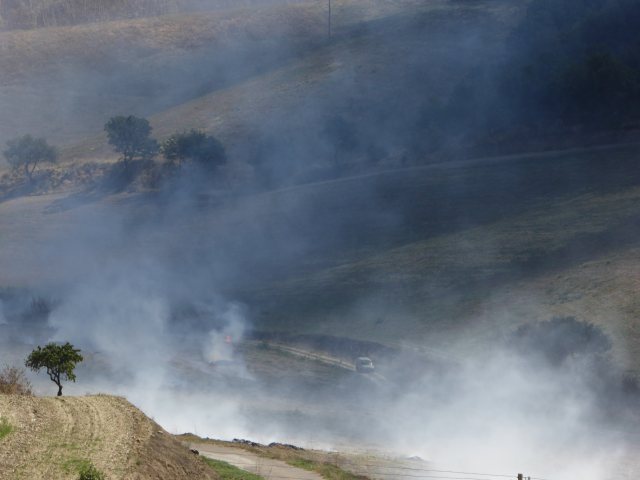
x: 267, y: 468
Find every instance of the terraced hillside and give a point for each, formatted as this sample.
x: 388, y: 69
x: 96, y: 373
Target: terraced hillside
x: 52, y: 438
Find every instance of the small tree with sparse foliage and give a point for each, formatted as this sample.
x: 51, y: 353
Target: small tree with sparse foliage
x: 131, y: 136
x: 195, y: 146
x: 59, y: 360
x: 13, y: 381
x: 27, y: 153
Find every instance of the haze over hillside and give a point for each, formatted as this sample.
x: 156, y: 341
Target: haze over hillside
x: 447, y: 187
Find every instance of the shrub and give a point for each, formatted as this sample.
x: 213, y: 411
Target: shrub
x: 89, y: 472
x: 131, y: 136
x: 561, y: 338
x: 5, y: 427
x: 25, y: 153
x: 576, y: 61
x: 195, y: 146
x: 13, y: 381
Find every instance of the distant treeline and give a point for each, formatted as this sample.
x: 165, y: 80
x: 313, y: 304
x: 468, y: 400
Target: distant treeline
x: 25, y: 14
x: 28, y: 14
x: 570, y: 69
x: 577, y: 61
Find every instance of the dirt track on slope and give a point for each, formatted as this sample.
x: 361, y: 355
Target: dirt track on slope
x: 268, y: 468
x: 51, y: 438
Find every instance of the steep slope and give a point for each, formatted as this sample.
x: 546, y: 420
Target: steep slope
x: 53, y: 437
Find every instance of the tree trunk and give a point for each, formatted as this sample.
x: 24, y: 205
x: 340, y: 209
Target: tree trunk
x: 59, y: 389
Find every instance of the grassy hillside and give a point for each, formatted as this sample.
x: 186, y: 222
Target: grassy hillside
x: 64, y: 82
x: 52, y: 438
x: 235, y: 70
x: 442, y: 257
x: 473, y: 251
x: 472, y: 247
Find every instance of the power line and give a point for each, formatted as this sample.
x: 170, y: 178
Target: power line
x: 389, y: 474
x: 283, y: 477
x: 393, y: 467
x: 398, y: 467
x: 439, y: 471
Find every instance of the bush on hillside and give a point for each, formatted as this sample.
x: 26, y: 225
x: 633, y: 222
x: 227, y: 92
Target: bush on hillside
x: 89, y: 472
x: 26, y: 153
x: 131, y: 136
x: 560, y: 339
x: 576, y: 62
x: 13, y: 381
x: 197, y: 147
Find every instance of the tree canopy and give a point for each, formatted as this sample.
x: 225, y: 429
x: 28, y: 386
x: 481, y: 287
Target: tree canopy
x: 195, y: 146
x: 560, y: 338
x: 27, y: 152
x: 131, y: 136
x: 59, y: 360
x: 577, y: 61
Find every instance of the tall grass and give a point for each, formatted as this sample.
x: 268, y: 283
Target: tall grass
x: 227, y: 471
x: 5, y: 427
x: 327, y: 470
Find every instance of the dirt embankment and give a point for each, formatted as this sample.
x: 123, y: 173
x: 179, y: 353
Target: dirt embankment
x: 53, y: 437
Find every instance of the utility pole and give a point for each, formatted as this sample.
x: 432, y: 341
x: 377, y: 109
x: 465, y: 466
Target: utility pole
x: 329, y: 20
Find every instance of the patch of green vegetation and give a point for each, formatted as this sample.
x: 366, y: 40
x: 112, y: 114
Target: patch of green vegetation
x: 85, y: 469
x: 303, y: 463
x: 327, y: 470
x: 229, y: 472
x: 89, y: 472
x: 75, y: 464
x: 5, y: 428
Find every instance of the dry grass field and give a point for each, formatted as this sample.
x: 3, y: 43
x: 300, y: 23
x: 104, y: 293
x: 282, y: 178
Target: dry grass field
x: 223, y: 71
x: 52, y: 438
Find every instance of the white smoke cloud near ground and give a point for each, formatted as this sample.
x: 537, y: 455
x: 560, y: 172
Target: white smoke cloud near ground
x: 501, y: 412
x: 167, y: 340
x: 491, y: 411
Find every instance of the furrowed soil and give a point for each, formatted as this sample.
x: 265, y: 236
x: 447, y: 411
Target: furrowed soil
x: 52, y: 438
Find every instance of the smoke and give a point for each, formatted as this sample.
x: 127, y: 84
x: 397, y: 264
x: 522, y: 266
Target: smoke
x: 152, y: 305
x: 219, y: 344
x: 167, y: 293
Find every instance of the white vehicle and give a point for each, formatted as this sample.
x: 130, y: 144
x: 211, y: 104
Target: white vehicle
x: 364, y: 365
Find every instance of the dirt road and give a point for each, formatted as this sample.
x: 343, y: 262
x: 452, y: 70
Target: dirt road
x: 265, y: 467
x: 324, y: 358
